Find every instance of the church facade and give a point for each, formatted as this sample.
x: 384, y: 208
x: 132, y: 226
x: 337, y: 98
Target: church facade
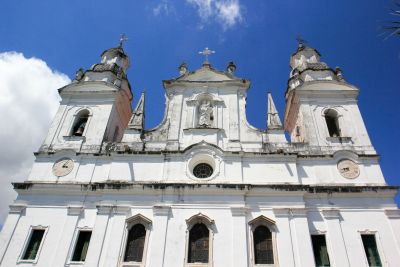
x: 204, y: 187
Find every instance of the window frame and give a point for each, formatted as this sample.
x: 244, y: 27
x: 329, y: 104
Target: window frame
x: 271, y: 225
x: 129, y: 223
x: 26, y: 243
x: 74, y: 243
x: 69, y: 134
x: 321, y: 233
x: 378, y: 246
x: 209, y: 223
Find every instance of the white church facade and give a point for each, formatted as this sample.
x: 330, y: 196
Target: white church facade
x: 204, y: 187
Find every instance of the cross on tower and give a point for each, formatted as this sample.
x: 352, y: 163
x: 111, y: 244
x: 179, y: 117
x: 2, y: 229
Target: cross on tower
x: 206, y: 52
x: 122, y: 39
x: 300, y: 40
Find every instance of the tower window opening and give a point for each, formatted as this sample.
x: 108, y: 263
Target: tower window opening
x: 80, y: 123
x: 332, y: 122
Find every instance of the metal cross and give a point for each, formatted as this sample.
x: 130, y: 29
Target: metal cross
x: 206, y: 52
x: 300, y: 40
x: 122, y: 39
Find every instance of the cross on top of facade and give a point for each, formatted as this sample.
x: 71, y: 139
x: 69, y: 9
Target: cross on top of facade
x: 300, y: 40
x: 206, y: 52
x: 122, y: 39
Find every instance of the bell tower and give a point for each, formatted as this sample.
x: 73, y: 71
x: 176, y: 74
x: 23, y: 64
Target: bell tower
x: 94, y: 108
x: 321, y: 107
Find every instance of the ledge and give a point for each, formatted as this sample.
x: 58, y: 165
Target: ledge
x: 112, y: 186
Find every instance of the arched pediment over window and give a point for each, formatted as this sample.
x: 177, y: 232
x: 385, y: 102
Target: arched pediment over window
x: 199, y: 218
x: 138, y: 218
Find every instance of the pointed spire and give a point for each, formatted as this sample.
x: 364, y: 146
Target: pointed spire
x: 137, y: 120
x: 273, y: 120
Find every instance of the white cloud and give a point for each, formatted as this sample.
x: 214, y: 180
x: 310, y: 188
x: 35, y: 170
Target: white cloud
x: 28, y: 102
x: 164, y: 7
x: 227, y: 12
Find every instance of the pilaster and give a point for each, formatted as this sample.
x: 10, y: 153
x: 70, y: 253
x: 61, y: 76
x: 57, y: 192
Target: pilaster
x: 239, y: 237
x: 6, y: 234
x: 338, y: 253
x: 98, y: 235
x: 284, y: 240
x: 157, y: 251
x: 67, y: 234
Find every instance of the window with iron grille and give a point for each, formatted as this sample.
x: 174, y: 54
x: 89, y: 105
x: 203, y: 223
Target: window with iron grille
x: 135, y: 243
x: 263, y: 247
x: 198, y: 244
x: 202, y: 170
x: 33, y: 246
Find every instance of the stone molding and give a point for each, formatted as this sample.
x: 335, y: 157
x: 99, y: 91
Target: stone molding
x: 121, y: 210
x: 281, y: 212
x: 393, y: 213
x: 331, y: 214
x: 239, y: 210
x: 17, y: 208
x: 75, y: 210
x: 104, y: 209
x: 161, y: 210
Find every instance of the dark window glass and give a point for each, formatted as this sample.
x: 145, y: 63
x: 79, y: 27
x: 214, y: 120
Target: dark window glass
x: 135, y: 243
x: 371, y: 250
x: 82, y: 245
x: 198, y: 244
x: 33, y: 244
x: 202, y: 170
x: 263, y: 249
x: 332, y: 123
x: 320, y: 250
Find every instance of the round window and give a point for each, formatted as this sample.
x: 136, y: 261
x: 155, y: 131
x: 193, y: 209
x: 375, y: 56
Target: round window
x: 202, y: 170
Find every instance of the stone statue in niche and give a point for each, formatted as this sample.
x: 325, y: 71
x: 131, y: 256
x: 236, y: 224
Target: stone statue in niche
x: 205, y: 114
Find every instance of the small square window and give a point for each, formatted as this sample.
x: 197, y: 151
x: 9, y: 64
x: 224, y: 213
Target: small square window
x: 81, y: 246
x: 34, y: 243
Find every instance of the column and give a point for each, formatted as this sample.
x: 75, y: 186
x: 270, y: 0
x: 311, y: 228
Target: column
x: 239, y: 237
x: 67, y: 235
x: 338, y: 254
x: 98, y: 234
x: 283, y: 240
x: 113, y: 243
x: 303, y: 246
x: 15, y: 213
x: 158, y: 240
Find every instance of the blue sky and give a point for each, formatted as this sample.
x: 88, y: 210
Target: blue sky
x: 259, y: 36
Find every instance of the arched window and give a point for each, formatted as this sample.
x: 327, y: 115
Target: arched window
x: 199, y: 237
x: 332, y: 122
x: 263, y: 232
x: 135, y: 243
x: 263, y: 249
x: 137, y: 234
x: 80, y: 123
x: 199, y: 240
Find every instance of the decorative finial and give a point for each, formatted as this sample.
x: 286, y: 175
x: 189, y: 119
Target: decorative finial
x: 339, y: 74
x: 300, y: 41
x: 182, y: 68
x: 206, y: 52
x: 231, y: 67
x: 122, y: 40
